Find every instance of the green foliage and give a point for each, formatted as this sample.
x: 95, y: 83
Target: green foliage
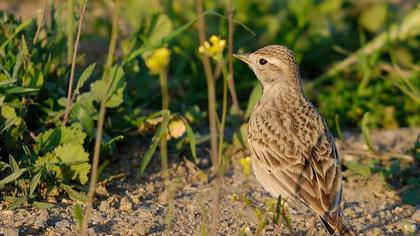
x: 160, y: 131
x: 33, y: 83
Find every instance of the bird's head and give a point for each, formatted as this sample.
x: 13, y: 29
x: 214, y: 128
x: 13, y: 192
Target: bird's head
x: 272, y: 65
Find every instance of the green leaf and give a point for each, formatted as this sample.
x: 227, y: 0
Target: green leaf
x: 191, y: 139
x: 366, y: 132
x: 51, y: 138
x: 412, y: 195
x: 84, y: 116
x: 12, y: 177
x: 253, y: 99
x: 83, y: 78
x: 13, y: 164
x: 116, y: 88
x: 160, y: 42
x: 34, y: 183
x: 67, y: 161
x: 338, y: 128
x: 20, y: 90
x: 373, y: 18
x: 358, y: 168
x: 73, y: 194
x: 78, y: 214
x: 17, y: 202
x: 9, y: 113
x: 240, y: 137
x: 99, y: 89
x: 18, y: 65
x: 8, y: 82
x: 21, y: 27
x: 108, y: 144
x: 155, y: 142
x: 42, y: 205
x: 74, y: 162
x: 3, y: 165
x: 161, y: 27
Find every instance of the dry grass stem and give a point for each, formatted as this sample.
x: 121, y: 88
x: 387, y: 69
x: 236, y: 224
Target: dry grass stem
x: 211, y: 90
x: 73, y: 65
x: 41, y: 22
x: 231, y: 81
x: 101, y: 116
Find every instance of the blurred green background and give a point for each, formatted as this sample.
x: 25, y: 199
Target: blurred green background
x: 384, y: 81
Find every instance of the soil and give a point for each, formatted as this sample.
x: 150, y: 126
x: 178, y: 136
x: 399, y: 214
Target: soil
x: 126, y: 205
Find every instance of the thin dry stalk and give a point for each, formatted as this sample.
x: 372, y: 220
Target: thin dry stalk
x: 231, y: 81
x: 169, y: 185
x: 73, y: 65
x: 217, y: 190
x: 219, y: 175
x: 69, y: 29
x: 41, y: 23
x: 101, y: 116
x: 211, y: 90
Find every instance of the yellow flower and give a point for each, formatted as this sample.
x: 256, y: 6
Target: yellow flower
x: 213, y: 48
x: 246, y: 165
x: 158, y: 61
x: 176, y: 128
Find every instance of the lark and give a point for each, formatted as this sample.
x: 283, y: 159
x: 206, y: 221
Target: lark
x: 293, y: 152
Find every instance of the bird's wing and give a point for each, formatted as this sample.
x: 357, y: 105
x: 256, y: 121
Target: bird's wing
x: 300, y: 155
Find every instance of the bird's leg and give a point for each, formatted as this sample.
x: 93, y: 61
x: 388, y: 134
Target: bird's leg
x: 281, y: 211
x: 277, y: 221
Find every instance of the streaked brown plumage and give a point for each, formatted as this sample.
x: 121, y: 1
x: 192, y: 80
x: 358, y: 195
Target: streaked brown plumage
x: 293, y: 153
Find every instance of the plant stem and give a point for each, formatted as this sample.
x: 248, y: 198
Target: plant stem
x: 163, y: 142
x: 41, y: 22
x: 73, y: 64
x: 211, y: 90
x: 69, y: 29
x: 223, y: 120
x: 163, y: 145
x: 101, y: 116
x: 231, y: 81
x: 164, y: 89
x: 220, y: 165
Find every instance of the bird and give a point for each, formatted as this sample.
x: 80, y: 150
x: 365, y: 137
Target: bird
x: 293, y: 153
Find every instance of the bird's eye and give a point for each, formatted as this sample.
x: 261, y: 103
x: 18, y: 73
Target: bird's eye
x: 262, y: 61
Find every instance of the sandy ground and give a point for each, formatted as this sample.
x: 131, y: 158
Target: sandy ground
x: 127, y: 206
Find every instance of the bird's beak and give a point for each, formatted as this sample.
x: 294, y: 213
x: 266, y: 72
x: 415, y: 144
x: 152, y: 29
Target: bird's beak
x: 243, y: 57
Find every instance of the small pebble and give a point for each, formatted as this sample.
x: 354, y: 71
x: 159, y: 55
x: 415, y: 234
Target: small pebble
x: 103, y: 206
x: 398, y: 210
x: 7, y: 213
x: 135, y: 199
x: 65, y: 201
x: 163, y: 198
x: 62, y: 224
x: 416, y: 216
x: 150, y: 188
x: 126, y: 205
x: 9, y: 231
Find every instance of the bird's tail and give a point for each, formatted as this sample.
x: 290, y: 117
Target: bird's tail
x: 336, y: 224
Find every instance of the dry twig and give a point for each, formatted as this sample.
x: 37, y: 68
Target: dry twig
x: 73, y: 65
x: 41, y: 23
